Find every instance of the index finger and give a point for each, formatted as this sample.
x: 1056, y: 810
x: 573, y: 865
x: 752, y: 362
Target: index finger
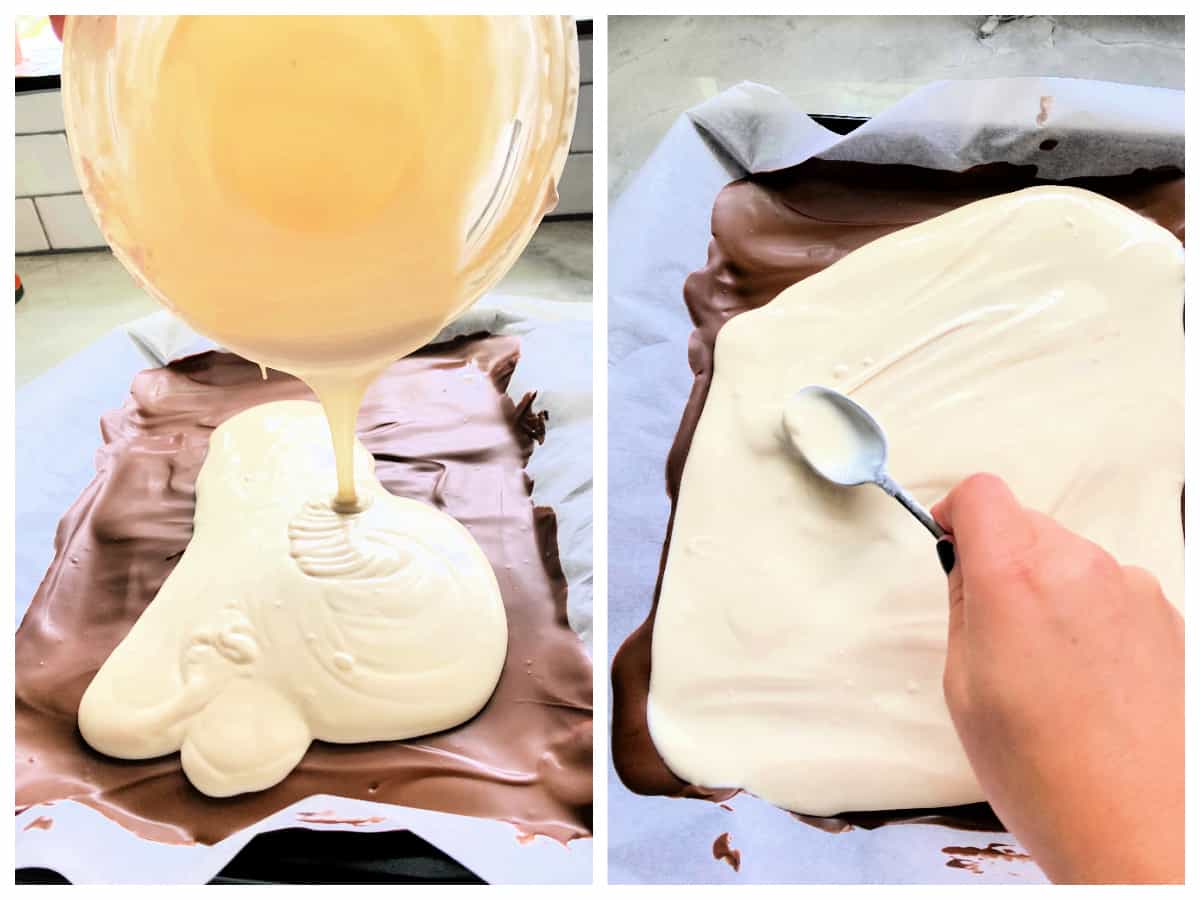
x: 989, y: 526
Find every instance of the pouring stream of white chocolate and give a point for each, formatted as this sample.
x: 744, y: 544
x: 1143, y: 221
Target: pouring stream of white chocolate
x: 286, y: 622
x: 800, y: 635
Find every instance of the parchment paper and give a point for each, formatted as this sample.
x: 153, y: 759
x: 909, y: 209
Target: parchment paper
x: 658, y: 234
x: 54, y: 465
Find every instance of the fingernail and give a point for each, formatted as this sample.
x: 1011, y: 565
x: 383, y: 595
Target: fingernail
x: 945, y: 549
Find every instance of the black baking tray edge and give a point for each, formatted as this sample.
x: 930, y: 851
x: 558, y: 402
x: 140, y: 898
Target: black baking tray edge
x: 304, y: 856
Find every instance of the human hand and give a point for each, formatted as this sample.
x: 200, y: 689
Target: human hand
x: 1064, y: 677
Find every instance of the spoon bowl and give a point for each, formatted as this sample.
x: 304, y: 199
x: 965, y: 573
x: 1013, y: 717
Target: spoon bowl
x: 838, y: 439
x: 843, y: 444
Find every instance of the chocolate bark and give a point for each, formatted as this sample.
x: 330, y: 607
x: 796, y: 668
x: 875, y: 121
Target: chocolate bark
x: 770, y: 231
x: 437, y: 435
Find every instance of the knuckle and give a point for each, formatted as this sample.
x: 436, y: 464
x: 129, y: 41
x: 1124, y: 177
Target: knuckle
x: 1142, y: 582
x: 1018, y: 569
x: 980, y: 482
x: 1038, y: 569
x: 974, y: 490
x: 1097, y: 565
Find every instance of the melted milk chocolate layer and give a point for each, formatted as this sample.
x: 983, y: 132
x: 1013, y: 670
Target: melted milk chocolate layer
x: 441, y: 431
x: 769, y: 232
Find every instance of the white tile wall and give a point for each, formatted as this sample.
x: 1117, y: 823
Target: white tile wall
x: 581, y: 141
x: 29, y: 235
x: 39, y: 111
x: 575, y: 186
x: 585, y: 61
x: 69, y: 223
x: 43, y: 165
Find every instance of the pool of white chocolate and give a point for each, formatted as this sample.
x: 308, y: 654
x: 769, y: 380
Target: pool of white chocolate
x: 800, y: 634
x: 285, y: 622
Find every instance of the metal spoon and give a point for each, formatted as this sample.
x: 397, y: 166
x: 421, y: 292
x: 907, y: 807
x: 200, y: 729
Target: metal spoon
x: 847, y: 447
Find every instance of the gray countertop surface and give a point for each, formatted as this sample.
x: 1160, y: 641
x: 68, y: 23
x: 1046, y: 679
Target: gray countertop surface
x: 660, y: 66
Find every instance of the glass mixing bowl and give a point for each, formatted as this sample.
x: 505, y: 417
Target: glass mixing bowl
x: 318, y: 191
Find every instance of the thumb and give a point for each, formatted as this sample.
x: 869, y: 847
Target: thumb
x: 948, y: 557
x: 954, y: 577
x: 954, y: 676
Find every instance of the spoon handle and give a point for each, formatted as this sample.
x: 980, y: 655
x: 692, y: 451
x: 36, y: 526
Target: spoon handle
x: 920, y: 513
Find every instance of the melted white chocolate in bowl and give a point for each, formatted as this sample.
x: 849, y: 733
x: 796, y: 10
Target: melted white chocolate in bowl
x: 799, y: 639
x: 320, y: 194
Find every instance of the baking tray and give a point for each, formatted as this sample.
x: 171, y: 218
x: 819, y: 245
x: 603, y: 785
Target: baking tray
x: 651, y: 839
x: 308, y: 855
x: 303, y: 856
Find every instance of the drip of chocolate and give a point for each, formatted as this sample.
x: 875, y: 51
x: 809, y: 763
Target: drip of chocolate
x: 726, y: 852
x: 442, y: 431
x: 973, y: 858
x: 770, y: 231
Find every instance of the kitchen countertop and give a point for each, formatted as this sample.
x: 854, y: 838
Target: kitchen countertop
x: 659, y: 66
